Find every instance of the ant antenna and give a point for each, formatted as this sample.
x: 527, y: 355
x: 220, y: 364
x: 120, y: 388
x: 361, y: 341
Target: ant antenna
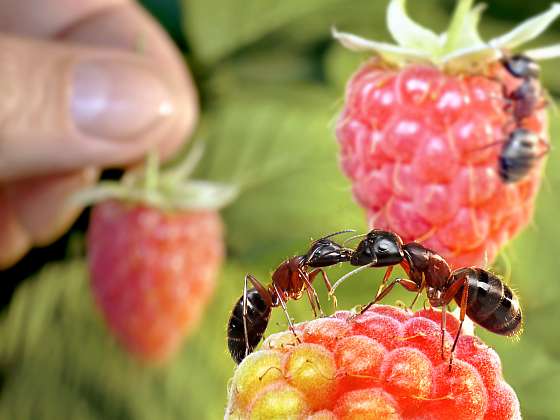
x: 337, y: 233
x: 344, y: 277
x: 361, y: 235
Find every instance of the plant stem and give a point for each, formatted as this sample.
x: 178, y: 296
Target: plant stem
x: 152, y: 171
x: 456, y: 25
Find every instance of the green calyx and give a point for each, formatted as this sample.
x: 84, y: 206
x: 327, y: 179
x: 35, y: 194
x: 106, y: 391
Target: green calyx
x: 168, y: 190
x: 460, y: 48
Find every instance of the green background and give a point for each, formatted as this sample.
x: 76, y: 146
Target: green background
x: 271, y: 83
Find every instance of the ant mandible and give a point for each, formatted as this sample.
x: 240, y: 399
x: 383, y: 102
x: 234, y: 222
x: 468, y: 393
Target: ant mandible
x: 251, y: 313
x: 480, y: 294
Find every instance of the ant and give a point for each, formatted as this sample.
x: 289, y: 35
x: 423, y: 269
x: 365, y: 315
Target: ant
x: 251, y: 313
x: 521, y: 150
x: 480, y: 294
x: 526, y: 97
x: 520, y: 153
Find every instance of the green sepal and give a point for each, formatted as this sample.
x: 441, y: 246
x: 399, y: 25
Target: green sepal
x: 390, y: 53
x: 169, y: 190
x: 459, y: 49
x: 407, y: 33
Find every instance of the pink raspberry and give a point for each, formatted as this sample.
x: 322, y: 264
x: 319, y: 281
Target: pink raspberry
x: 384, y: 364
x: 423, y: 132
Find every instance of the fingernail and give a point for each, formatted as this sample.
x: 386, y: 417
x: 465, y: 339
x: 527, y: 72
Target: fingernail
x: 117, y: 100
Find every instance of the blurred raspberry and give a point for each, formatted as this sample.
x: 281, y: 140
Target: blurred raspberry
x: 384, y: 364
x: 153, y: 272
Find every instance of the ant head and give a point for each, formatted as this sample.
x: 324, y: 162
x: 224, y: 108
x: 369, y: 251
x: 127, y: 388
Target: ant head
x: 379, y: 249
x: 522, y: 67
x: 324, y: 252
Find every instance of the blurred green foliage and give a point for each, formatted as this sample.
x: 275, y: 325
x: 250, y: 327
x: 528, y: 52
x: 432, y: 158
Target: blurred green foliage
x: 272, y: 83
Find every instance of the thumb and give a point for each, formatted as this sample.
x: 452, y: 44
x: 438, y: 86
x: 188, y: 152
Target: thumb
x: 66, y: 107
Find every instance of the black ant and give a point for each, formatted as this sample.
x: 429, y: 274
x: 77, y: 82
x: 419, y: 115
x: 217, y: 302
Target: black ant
x: 251, y: 312
x: 521, y: 150
x: 525, y: 99
x: 480, y: 294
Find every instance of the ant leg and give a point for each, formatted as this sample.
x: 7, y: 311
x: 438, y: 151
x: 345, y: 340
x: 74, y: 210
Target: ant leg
x: 328, y: 285
x: 245, y: 316
x: 443, y: 313
x: 546, y: 148
x: 384, y: 281
x: 406, y: 283
x: 417, y: 294
x: 313, y: 301
x: 464, y: 299
x: 456, y: 285
x: 285, y: 309
x: 311, y: 293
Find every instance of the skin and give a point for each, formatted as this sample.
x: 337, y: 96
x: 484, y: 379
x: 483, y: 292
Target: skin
x: 55, y: 137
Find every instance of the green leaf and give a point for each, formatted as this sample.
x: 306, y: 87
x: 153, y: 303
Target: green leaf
x: 407, y: 33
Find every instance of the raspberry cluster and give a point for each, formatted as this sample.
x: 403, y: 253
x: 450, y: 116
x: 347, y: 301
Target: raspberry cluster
x: 383, y: 364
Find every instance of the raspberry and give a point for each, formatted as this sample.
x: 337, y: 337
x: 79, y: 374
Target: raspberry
x: 421, y: 143
x: 152, y: 272
x: 384, y: 364
x: 433, y: 176
x: 155, y: 245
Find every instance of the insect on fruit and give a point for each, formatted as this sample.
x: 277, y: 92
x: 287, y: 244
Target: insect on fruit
x: 290, y: 280
x: 480, y: 294
x: 523, y: 148
x: 521, y: 151
x: 526, y: 98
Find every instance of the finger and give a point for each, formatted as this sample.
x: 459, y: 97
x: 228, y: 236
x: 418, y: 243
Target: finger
x: 65, y: 107
x: 40, y: 19
x: 131, y: 28
x: 36, y: 211
x: 117, y: 24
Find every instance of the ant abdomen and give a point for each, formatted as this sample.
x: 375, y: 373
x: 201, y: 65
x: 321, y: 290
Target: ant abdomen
x: 258, y: 315
x: 491, y: 303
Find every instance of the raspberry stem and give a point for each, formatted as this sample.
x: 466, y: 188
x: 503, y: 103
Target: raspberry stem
x: 151, y: 174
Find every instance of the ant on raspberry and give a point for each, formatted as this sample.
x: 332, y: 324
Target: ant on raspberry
x: 523, y: 148
x: 251, y: 313
x: 525, y: 98
x: 480, y: 294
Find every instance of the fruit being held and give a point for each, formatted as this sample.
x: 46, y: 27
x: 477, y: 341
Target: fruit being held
x: 153, y: 272
x: 155, y: 245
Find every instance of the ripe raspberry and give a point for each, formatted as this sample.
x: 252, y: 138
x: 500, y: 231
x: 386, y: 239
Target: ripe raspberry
x: 384, y: 364
x: 153, y: 257
x: 420, y: 138
x: 152, y: 273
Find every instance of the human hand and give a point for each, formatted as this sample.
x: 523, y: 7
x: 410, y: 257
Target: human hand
x: 85, y: 85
